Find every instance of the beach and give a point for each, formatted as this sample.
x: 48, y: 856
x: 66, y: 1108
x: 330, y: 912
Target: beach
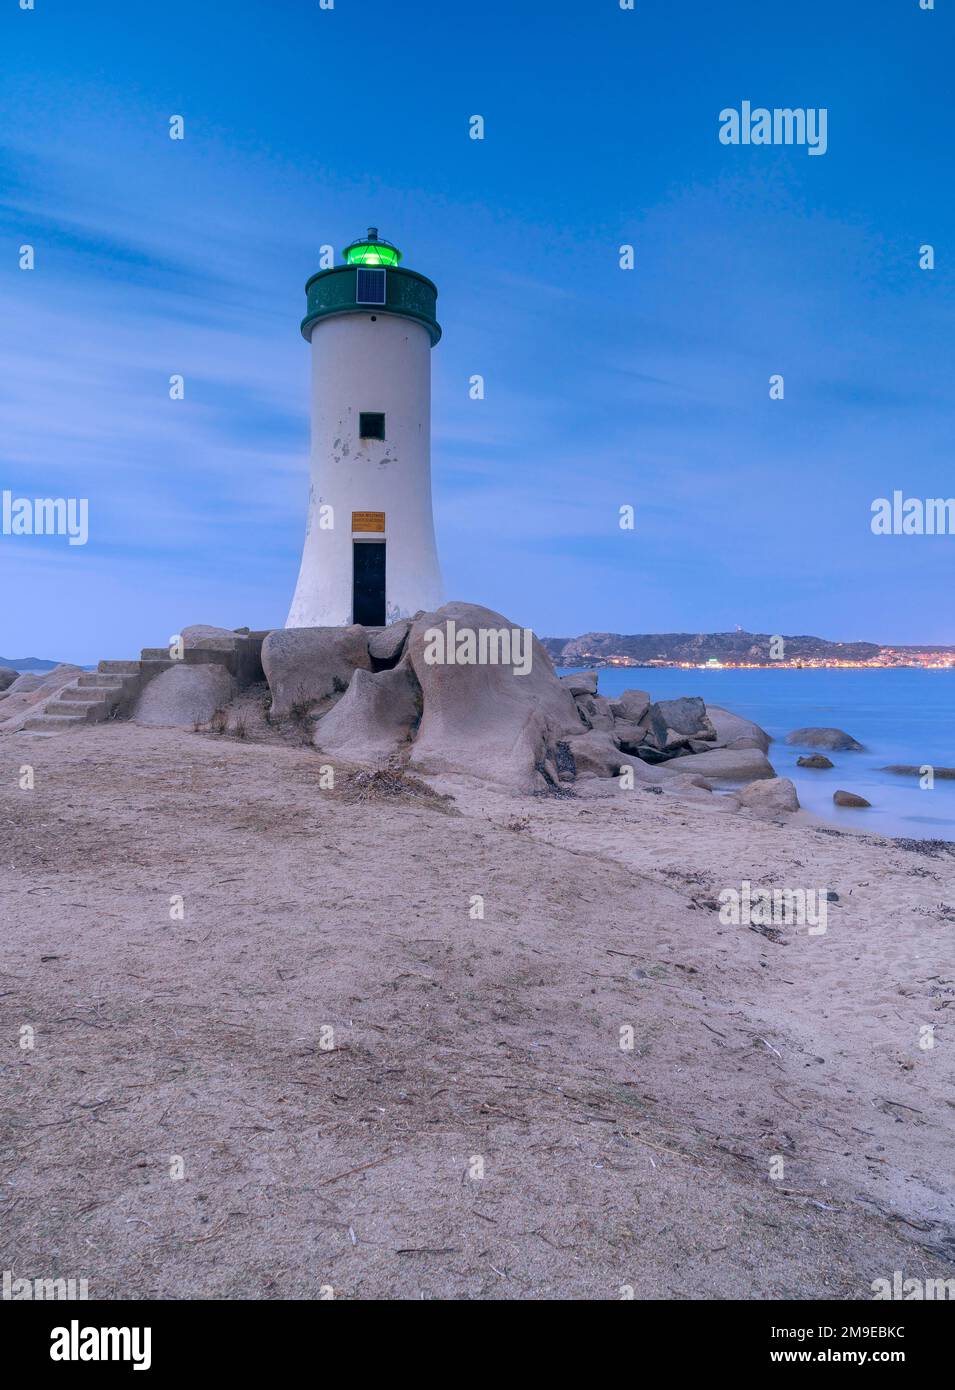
x: 187, y: 916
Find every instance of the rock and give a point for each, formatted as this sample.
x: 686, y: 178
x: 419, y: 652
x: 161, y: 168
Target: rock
x: 210, y: 638
x: 305, y: 666
x: 185, y: 695
x: 814, y: 760
x: 385, y: 647
x: 594, y: 711
x: 687, y: 782
x: 375, y: 717
x: 770, y: 798
x: 580, y: 682
x: 849, y: 799
x: 672, y: 724
x: 596, y: 754
x: 655, y: 726
x: 907, y: 770
x: 60, y: 675
x: 486, y: 720
x: 631, y: 706
x: 653, y: 756
x: 694, y: 779
x: 733, y: 731
x: 824, y: 738
x: 685, y: 716
x: 23, y: 684
x: 549, y: 768
x: 7, y: 676
x: 628, y: 736
x: 675, y: 742
x: 31, y: 692
x: 730, y: 764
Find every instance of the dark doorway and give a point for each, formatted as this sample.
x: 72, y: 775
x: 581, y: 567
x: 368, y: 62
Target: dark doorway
x: 368, y: 598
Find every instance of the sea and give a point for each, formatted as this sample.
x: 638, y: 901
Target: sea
x: 898, y: 714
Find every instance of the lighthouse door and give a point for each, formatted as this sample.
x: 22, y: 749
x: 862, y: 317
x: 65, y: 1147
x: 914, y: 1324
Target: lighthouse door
x: 368, y: 595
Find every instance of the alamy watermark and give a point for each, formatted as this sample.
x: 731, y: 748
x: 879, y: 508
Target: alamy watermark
x: 747, y: 906
x: 783, y: 125
x: 76, y: 1343
x: 913, y: 516
x: 909, y: 1290
x: 45, y: 516
x: 16, y: 1290
x: 484, y: 646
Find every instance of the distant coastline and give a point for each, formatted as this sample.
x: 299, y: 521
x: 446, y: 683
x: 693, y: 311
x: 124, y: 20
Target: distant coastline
x: 28, y: 663
x: 740, y: 651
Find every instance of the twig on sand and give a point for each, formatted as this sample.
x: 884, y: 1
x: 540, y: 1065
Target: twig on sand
x: 200, y: 1240
x: 713, y: 1030
x: 376, y: 1163
x: 790, y: 1192
x: 430, y: 1250
x: 660, y: 1148
x: 900, y: 1104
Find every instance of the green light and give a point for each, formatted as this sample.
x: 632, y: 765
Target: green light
x: 372, y: 251
x: 371, y: 255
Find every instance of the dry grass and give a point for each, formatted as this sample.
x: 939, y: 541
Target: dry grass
x: 390, y: 782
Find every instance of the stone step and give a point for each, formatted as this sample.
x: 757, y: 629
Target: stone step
x: 209, y: 656
x: 120, y: 668
x: 87, y: 694
x: 91, y: 714
x: 95, y: 680
x: 50, y: 723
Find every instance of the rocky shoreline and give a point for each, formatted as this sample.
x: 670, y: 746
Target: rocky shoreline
x: 378, y: 695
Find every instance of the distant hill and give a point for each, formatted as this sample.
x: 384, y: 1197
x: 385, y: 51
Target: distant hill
x: 597, y: 648
x: 28, y: 663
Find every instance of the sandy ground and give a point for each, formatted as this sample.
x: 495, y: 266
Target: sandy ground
x: 460, y: 1045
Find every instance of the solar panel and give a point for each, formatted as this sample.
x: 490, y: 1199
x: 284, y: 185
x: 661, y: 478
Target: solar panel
x: 370, y: 286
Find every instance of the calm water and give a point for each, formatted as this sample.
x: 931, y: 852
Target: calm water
x: 899, y: 716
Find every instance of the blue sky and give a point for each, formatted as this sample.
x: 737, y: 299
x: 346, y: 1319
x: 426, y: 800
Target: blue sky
x: 604, y: 387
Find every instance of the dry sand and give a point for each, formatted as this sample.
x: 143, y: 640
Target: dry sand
x: 455, y: 1039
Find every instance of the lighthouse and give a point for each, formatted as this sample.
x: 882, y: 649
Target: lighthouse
x: 369, y: 554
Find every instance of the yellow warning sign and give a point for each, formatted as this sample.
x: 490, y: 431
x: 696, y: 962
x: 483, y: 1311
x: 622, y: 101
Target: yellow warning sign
x: 368, y: 521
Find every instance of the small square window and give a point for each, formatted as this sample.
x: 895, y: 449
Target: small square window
x: 371, y: 425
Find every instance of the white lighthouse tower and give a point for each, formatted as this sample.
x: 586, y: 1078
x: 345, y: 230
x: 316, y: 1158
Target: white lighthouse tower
x: 369, y: 553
